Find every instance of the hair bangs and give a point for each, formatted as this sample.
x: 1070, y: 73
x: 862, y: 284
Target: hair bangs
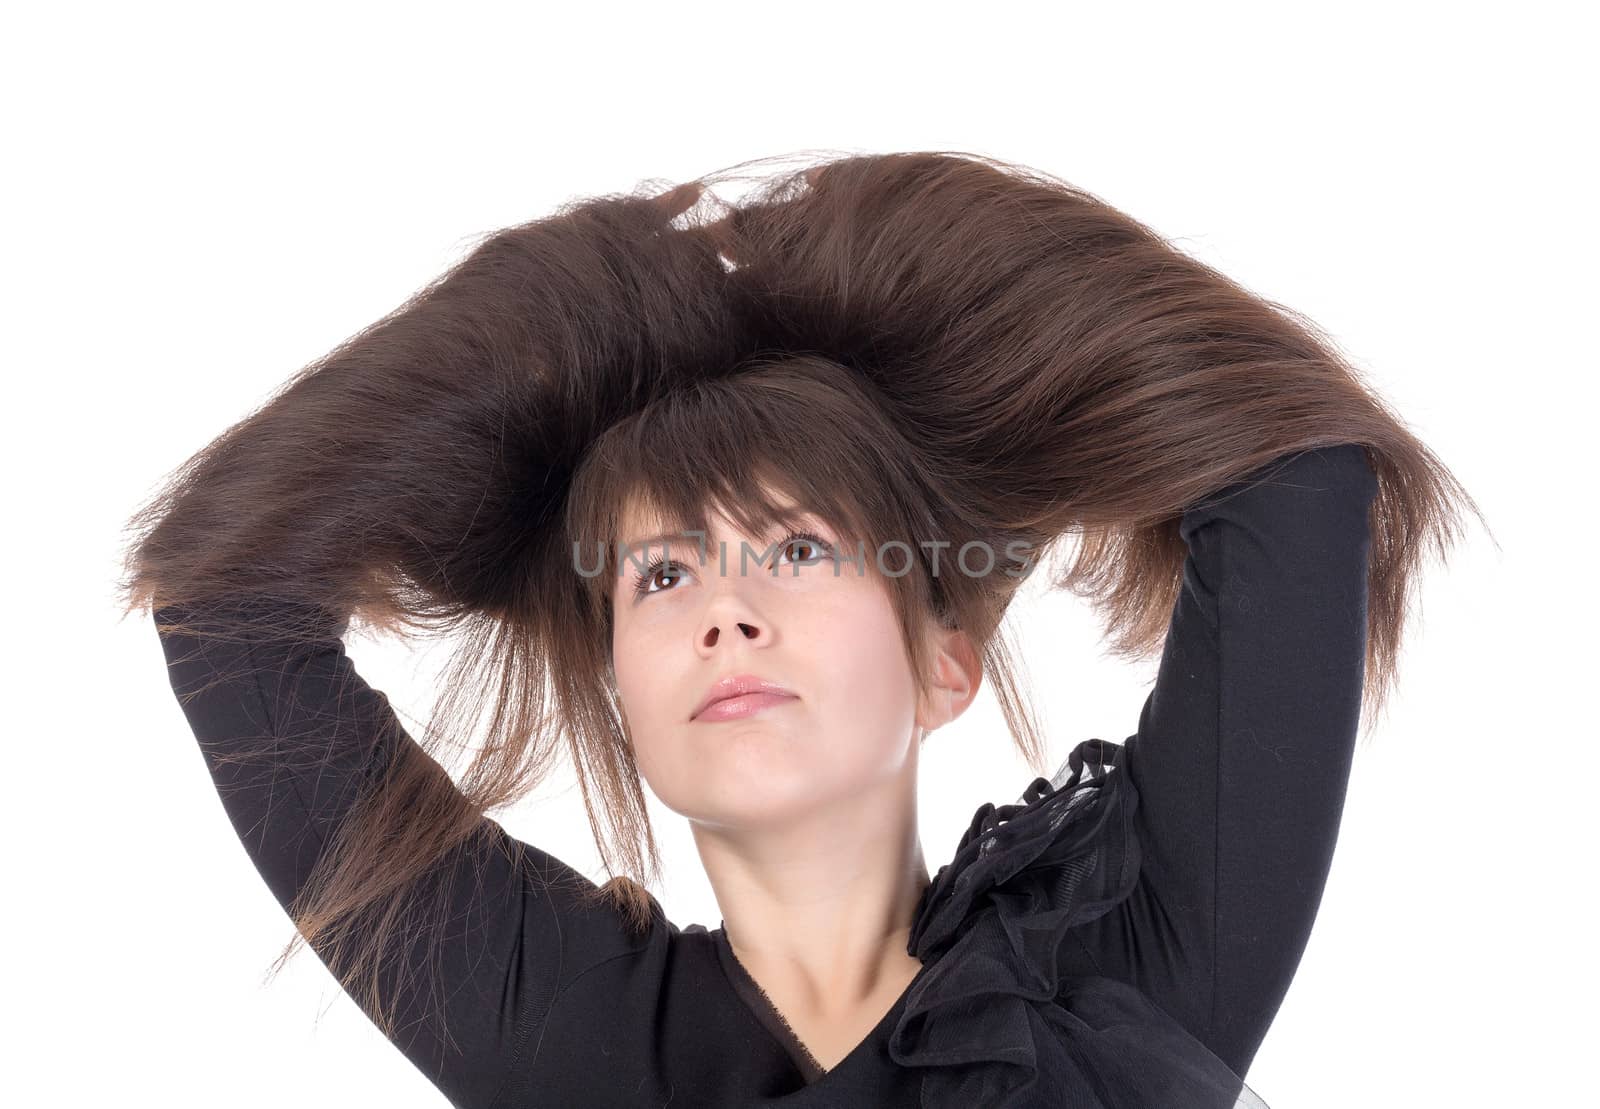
x: 768, y: 447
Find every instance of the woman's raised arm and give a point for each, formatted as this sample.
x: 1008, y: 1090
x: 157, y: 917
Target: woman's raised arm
x: 1244, y: 748
x: 291, y: 735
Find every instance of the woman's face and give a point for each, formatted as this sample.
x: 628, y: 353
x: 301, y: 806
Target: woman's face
x: 830, y: 639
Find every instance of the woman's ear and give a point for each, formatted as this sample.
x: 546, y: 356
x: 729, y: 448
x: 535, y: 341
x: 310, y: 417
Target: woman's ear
x: 957, y: 674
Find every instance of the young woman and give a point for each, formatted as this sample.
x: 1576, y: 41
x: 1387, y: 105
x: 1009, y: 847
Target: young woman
x: 813, y: 446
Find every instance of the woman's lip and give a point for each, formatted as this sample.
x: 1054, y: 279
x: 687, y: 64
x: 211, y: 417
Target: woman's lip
x: 732, y: 708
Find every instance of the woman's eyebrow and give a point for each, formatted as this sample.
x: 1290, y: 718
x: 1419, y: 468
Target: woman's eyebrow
x: 792, y: 518
x: 665, y: 537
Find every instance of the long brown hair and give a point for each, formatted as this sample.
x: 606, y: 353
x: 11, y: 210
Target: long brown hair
x: 913, y: 345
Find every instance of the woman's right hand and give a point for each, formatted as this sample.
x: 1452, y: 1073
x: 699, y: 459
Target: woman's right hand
x: 676, y: 201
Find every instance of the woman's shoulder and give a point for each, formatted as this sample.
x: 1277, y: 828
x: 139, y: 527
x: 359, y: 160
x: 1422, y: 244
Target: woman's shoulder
x: 1002, y: 1012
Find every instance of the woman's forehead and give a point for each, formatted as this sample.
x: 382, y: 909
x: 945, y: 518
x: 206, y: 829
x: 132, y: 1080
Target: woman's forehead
x: 640, y: 522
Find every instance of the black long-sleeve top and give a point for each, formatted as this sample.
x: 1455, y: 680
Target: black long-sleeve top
x: 1241, y: 761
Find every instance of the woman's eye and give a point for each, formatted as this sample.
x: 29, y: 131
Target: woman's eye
x: 803, y: 548
x: 814, y: 547
x: 659, y: 566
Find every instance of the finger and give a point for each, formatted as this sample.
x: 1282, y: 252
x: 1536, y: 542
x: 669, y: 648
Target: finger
x: 679, y: 200
x: 721, y: 235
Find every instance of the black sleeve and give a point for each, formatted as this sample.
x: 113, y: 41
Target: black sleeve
x: 1244, y: 746
x: 506, y: 952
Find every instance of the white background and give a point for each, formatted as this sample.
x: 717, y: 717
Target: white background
x: 202, y: 199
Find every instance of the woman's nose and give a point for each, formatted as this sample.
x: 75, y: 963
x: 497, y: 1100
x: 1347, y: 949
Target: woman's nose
x: 735, y: 627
